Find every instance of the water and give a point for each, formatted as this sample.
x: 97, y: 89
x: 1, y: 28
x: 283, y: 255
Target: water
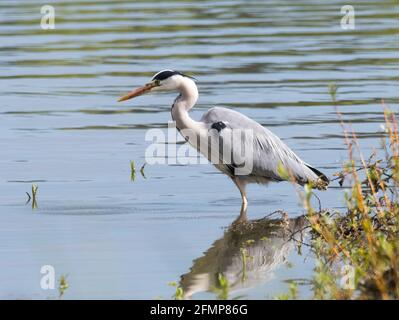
x: 62, y: 129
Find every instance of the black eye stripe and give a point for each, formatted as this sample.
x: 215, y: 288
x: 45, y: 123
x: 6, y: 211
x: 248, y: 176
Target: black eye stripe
x: 165, y: 74
x: 168, y: 73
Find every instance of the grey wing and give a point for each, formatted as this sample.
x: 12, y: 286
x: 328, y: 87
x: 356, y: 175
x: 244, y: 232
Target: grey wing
x: 268, y: 151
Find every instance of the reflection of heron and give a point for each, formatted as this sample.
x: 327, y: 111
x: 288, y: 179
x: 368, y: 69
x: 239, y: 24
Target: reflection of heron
x: 270, y: 159
x: 266, y: 245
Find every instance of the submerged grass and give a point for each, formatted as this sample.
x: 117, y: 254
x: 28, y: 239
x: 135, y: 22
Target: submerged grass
x: 179, y: 292
x: 63, y: 285
x: 132, y: 171
x: 33, y: 197
x: 222, y: 290
x: 291, y: 295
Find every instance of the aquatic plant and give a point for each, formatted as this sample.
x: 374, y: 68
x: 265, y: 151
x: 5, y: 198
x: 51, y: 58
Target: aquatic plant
x: 132, y: 171
x: 244, y: 256
x: 63, y: 285
x: 292, y: 293
x: 222, y: 289
x: 179, y: 292
x: 33, y: 197
x: 332, y: 90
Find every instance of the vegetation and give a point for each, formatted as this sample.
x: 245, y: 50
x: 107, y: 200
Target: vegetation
x: 222, y: 288
x: 357, y: 250
x: 33, y: 196
x: 291, y: 295
x: 179, y: 293
x: 132, y: 171
x: 62, y: 286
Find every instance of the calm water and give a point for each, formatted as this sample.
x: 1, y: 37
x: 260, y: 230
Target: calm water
x: 61, y: 128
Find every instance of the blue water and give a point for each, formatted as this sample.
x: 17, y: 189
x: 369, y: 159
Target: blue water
x: 62, y: 129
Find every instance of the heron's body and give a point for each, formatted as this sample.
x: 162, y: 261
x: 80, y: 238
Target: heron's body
x: 268, y: 153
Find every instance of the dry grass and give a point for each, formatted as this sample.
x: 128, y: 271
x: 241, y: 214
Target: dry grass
x: 362, y: 240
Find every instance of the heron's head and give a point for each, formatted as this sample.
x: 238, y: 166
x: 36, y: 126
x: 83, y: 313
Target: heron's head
x: 165, y: 80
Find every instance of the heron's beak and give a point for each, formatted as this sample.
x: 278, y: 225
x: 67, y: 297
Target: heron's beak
x: 139, y: 91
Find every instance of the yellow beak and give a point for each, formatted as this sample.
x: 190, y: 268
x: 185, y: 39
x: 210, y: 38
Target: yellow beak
x: 138, y: 92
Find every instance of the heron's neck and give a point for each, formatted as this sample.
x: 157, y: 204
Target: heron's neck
x: 184, y: 102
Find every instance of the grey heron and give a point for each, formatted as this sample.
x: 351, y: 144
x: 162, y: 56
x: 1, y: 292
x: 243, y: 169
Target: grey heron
x: 225, y: 255
x: 268, y: 153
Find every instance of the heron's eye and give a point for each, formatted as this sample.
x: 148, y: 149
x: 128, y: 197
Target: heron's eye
x: 157, y: 82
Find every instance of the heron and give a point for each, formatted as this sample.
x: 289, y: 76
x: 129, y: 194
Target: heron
x: 225, y: 255
x: 271, y: 159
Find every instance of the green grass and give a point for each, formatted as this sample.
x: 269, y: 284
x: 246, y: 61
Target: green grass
x: 63, y: 285
x: 33, y: 197
x: 132, y: 171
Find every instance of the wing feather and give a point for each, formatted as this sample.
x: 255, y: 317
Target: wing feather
x: 268, y: 150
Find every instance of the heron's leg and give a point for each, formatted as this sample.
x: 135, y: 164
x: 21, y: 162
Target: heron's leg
x: 244, y: 205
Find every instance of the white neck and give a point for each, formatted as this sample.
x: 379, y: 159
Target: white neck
x: 183, y: 103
